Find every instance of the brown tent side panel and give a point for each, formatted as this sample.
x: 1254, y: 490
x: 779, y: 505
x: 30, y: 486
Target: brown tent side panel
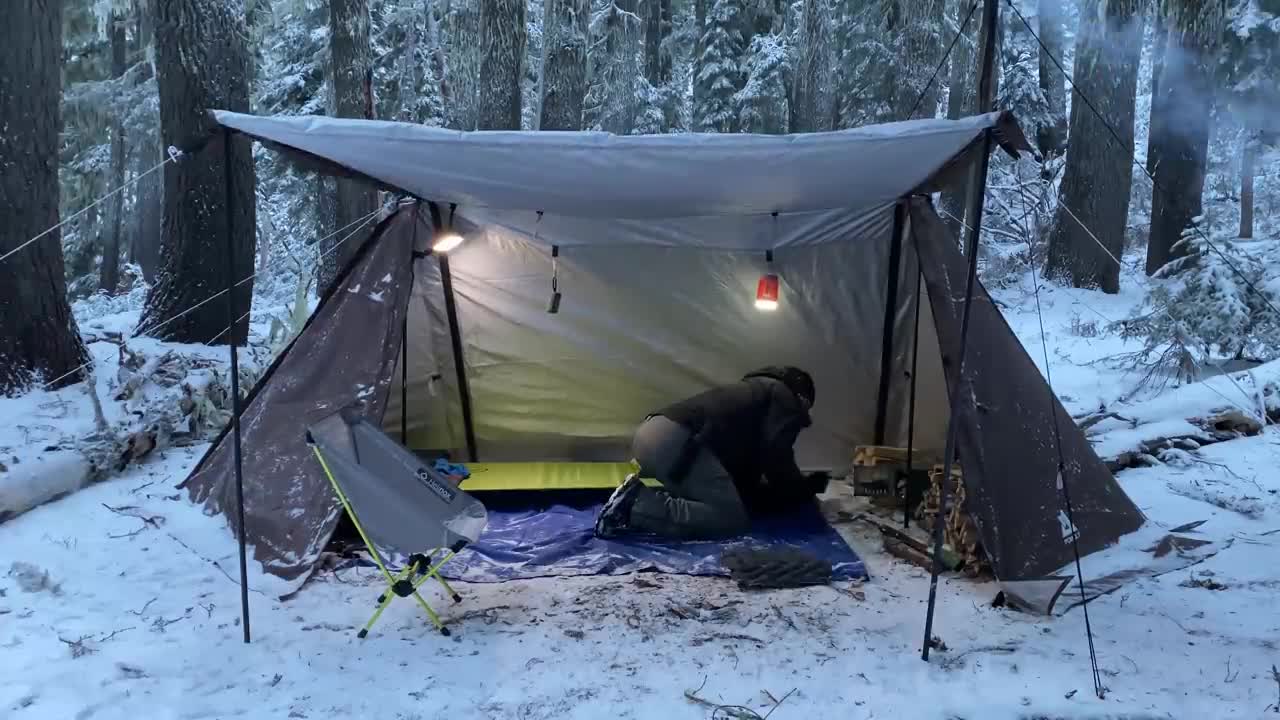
x: 344, y: 356
x: 1005, y: 438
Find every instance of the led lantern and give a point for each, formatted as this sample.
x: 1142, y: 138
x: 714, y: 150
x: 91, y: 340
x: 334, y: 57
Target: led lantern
x: 446, y: 242
x: 767, y: 292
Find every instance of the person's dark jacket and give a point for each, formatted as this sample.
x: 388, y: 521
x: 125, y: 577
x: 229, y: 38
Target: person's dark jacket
x: 751, y: 427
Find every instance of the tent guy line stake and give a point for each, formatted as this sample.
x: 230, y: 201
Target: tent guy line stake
x: 1057, y: 441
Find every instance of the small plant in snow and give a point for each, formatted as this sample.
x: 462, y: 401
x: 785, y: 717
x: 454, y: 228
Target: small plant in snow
x: 1212, y: 303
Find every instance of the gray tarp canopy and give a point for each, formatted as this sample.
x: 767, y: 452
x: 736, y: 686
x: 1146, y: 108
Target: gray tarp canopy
x: 662, y: 240
x: 686, y: 190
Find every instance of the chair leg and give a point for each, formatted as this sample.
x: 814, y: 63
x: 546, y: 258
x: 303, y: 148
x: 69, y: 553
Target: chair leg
x: 383, y: 602
x: 435, y: 619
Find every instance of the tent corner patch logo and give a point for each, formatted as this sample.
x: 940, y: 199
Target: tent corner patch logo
x: 446, y: 493
x: 1069, y: 531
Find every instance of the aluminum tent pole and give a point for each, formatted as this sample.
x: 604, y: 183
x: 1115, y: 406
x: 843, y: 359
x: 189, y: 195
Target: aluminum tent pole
x: 235, y: 377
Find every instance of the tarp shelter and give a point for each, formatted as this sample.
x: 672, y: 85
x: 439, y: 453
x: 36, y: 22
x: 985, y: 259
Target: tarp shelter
x: 656, y: 245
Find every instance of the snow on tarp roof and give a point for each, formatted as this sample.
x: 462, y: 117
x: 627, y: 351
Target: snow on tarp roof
x: 600, y: 175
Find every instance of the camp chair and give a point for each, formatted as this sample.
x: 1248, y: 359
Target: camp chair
x: 405, y: 506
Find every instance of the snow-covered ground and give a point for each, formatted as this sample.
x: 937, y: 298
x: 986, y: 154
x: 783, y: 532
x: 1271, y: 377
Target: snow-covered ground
x: 121, y: 600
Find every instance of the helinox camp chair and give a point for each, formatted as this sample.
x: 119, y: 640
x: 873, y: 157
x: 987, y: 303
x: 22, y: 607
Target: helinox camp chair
x: 397, y: 503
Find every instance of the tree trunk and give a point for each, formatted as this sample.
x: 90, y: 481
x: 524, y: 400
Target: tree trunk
x: 38, y: 335
x: 144, y: 246
x: 502, y: 39
x: 1053, y: 137
x: 565, y: 29
x: 1187, y: 92
x: 1097, y: 180
x: 962, y: 100
x: 202, y: 63
x: 463, y: 63
x: 653, y: 10
x: 352, y: 65
x: 109, y: 280
x: 808, y: 115
x: 1248, y: 163
x: 921, y: 21
x: 1158, y: 49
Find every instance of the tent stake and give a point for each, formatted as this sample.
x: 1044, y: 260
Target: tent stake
x: 911, y: 403
x: 890, y: 314
x: 235, y: 378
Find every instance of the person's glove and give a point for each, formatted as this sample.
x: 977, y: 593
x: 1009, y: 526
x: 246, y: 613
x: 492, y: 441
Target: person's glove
x: 817, y: 481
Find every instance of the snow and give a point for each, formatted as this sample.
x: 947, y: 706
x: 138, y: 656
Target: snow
x: 139, y: 612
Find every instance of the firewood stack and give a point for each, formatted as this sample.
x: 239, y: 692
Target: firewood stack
x: 960, y: 533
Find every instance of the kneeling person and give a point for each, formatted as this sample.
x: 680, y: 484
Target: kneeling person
x: 719, y: 456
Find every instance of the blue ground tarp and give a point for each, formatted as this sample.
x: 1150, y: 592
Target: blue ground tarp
x: 554, y: 538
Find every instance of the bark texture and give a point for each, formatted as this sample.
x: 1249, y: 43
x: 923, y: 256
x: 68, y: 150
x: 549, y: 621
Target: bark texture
x: 807, y: 111
x: 1181, y: 138
x: 109, y: 279
x: 1052, y: 138
x: 920, y: 20
x: 352, y: 67
x: 1098, y: 177
x: 38, y: 336
x: 502, y: 40
x: 202, y: 63
x: 144, y: 246
x: 565, y: 29
x: 1248, y: 165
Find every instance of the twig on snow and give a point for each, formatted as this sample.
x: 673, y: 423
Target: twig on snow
x: 731, y: 712
x: 953, y: 662
x: 143, y: 611
x: 1275, y: 675
x: 781, y: 616
x: 779, y: 703
x: 1230, y: 678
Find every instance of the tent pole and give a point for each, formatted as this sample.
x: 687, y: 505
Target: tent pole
x: 455, y: 337
x: 950, y: 451
x: 235, y: 377
x: 911, y: 403
x: 890, y: 312
x: 977, y: 193
x: 404, y: 335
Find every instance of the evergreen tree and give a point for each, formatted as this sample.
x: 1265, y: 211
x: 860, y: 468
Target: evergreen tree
x: 761, y: 103
x: 719, y: 75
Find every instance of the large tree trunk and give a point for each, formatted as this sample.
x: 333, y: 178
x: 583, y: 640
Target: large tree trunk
x: 502, y: 38
x: 657, y: 63
x: 565, y: 29
x: 1158, y: 49
x: 352, y: 68
x: 962, y: 100
x: 38, y: 335
x: 109, y: 280
x: 463, y: 63
x: 1248, y: 163
x: 202, y: 63
x: 144, y: 246
x: 1098, y: 177
x: 1053, y: 136
x: 1182, y: 138
x: 807, y: 111
x: 921, y: 21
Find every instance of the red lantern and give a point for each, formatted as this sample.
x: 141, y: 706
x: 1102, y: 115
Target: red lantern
x: 767, y: 292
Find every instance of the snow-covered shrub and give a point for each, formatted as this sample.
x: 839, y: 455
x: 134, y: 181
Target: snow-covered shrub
x: 1217, y: 301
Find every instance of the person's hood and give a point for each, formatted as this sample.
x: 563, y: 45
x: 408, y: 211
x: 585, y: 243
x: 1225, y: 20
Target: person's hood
x: 797, y: 381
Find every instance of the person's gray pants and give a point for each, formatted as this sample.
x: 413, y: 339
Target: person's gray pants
x: 703, y: 504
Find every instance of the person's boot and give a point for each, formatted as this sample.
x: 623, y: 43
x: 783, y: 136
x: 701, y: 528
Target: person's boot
x: 615, y: 515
